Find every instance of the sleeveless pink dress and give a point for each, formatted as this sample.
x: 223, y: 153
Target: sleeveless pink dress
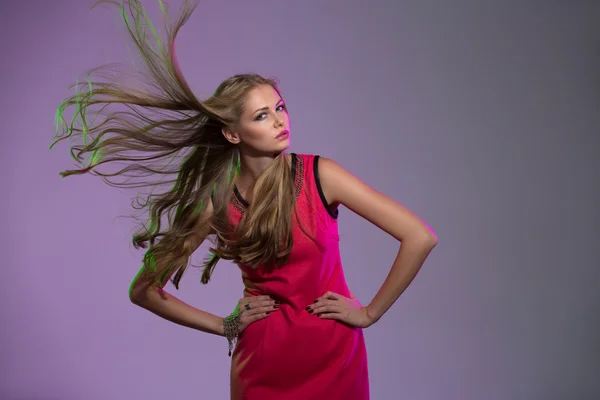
x: 291, y: 354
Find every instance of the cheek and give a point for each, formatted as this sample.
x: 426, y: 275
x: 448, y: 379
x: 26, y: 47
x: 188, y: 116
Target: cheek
x: 257, y: 132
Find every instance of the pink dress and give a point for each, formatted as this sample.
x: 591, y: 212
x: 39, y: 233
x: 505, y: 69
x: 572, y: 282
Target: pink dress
x: 291, y: 354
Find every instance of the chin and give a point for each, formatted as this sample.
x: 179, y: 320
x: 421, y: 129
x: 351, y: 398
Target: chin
x: 280, y: 149
x: 284, y: 145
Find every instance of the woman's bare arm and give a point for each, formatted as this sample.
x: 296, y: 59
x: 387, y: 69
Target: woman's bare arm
x: 417, y: 239
x: 156, y: 300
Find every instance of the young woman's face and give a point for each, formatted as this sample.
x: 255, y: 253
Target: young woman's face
x: 264, y: 124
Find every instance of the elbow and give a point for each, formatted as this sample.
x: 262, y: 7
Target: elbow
x: 138, y: 293
x: 427, y: 240
x: 134, y: 296
x: 432, y: 240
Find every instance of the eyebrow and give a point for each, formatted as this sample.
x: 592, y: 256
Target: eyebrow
x: 265, y: 108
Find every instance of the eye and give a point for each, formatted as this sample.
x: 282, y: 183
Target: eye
x: 263, y: 115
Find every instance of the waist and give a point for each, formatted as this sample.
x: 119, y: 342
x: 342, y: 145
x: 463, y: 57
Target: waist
x: 297, y: 297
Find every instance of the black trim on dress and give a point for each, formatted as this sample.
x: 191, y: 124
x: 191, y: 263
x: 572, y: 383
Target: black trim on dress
x: 332, y: 213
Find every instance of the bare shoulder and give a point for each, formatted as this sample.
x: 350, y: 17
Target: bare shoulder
x: 340, y: 186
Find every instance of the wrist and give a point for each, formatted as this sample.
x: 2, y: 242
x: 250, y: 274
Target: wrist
x: 221, y: 330
x: 371, y: 315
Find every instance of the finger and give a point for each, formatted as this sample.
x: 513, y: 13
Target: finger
x: 322, y: 307
x: 332, y: 296
x: 252, y: 299
x: 272, y: 304
x: 249, y: 318
x: 329, y: 295
x: 256, y: 303
x: 260, y: 311
x: 327, y: 309
x: 322, y: 303
x: 259, y: 298
x: 331, y: 315
x: 266, y: 303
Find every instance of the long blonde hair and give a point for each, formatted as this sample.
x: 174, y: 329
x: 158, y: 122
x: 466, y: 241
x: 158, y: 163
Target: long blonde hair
x: 162, y: 134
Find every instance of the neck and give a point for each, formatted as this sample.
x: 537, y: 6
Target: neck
x: 251, y: 168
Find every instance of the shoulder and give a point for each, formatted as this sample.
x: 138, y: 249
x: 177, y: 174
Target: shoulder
x: 328, y: 168
x: 338, y: 184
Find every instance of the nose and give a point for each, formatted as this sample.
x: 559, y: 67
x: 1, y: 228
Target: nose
x: 278, y: 121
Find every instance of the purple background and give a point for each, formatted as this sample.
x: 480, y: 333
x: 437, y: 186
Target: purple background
x: 482, y: 117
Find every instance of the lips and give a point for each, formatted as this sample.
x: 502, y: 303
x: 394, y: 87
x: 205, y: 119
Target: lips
x: 283, y: 133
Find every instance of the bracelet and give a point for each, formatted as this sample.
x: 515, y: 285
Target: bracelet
x: 231, y: 325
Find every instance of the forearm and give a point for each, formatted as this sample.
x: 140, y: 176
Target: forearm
x: 410, y: 259
x: 169, y: 307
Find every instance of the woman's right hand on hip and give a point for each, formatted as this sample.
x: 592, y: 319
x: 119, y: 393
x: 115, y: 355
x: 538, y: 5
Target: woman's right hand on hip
x: 254, y: 308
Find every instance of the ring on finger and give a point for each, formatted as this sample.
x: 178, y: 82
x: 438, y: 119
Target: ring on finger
x: 247, y: 306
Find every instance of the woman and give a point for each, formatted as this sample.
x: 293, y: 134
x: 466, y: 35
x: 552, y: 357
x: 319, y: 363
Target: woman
x: 273, y: 213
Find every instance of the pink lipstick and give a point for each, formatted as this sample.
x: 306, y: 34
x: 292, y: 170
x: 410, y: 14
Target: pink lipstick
x: 283, y: 135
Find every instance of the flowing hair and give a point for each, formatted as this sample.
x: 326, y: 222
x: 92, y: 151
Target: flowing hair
x: 161, y: 134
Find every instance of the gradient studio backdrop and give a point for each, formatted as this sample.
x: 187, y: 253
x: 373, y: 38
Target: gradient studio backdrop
x: 482, y: 117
